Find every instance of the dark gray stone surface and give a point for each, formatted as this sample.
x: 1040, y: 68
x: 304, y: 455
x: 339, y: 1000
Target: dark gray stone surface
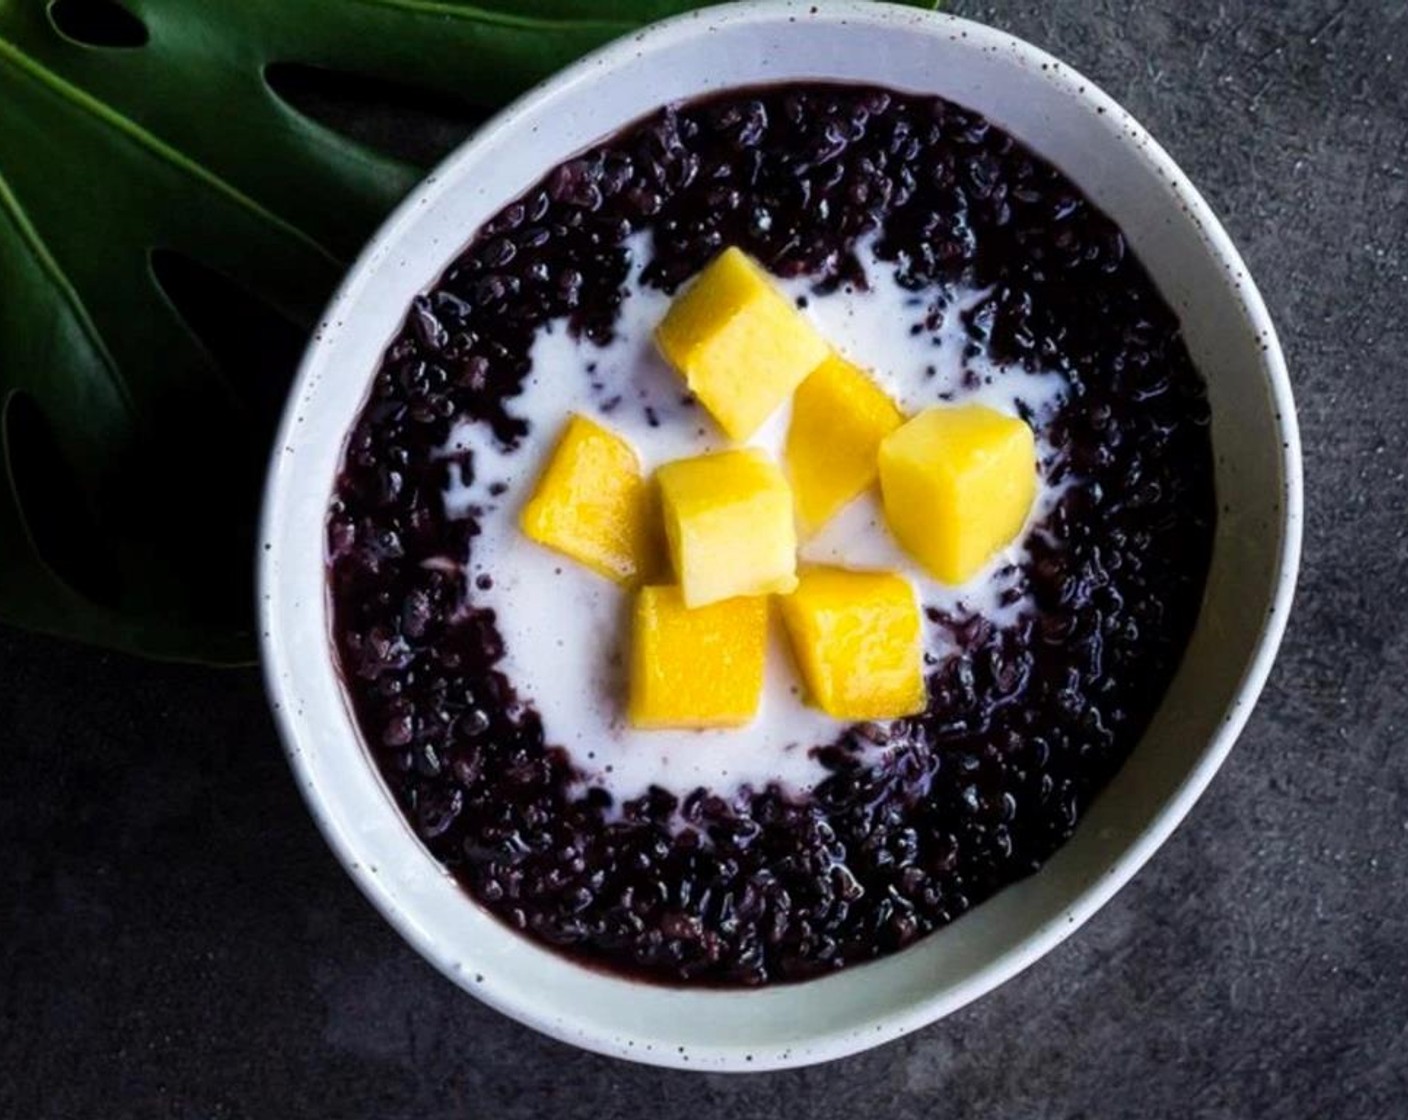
x: 175, y: 939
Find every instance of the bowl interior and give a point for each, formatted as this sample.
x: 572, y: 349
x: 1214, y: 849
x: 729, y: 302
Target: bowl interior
x: 1064, y: 118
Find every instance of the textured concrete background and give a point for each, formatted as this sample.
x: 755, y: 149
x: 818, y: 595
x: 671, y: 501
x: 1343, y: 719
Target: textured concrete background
x: 175, y: 940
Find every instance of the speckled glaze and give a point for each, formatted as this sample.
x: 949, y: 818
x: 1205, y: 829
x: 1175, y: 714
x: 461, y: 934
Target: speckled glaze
x: 1064, y: 118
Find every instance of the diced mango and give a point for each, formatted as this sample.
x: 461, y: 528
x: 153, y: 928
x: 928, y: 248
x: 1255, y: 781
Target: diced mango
x: 857, y: 638
x: 958, y: 484
x: 729, y: 526
x: 591, y: 503
x: 839, y: 417
x: 739, y: 342
x: 696, y: 668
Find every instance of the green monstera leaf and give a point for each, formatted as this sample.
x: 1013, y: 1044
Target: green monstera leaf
x: 133, y: 444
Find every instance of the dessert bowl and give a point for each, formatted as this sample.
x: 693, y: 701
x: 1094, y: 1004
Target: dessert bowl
x: 1062, y: 117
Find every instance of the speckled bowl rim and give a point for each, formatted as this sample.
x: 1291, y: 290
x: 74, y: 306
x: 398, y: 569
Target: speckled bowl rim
x: 280, y: 619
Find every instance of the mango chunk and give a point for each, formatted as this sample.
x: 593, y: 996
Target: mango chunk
x: 729, y: 525
x: 696, y: 668
x: 958, y: 484
x: 857, y: 638
x: 839, y: 417
x: 740, y: 344
x: 591, y: 502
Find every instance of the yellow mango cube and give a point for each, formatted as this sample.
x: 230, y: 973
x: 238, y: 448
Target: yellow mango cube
x: 857, y: 639
x: 729, y: 525
x: 696, y: 668
x: 958, y: 484
x: 591, y: 502
x: 839, y: 417
x: 740, y: 344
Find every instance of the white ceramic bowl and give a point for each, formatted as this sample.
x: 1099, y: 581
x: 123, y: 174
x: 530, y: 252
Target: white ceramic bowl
x: 1067, y: 119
